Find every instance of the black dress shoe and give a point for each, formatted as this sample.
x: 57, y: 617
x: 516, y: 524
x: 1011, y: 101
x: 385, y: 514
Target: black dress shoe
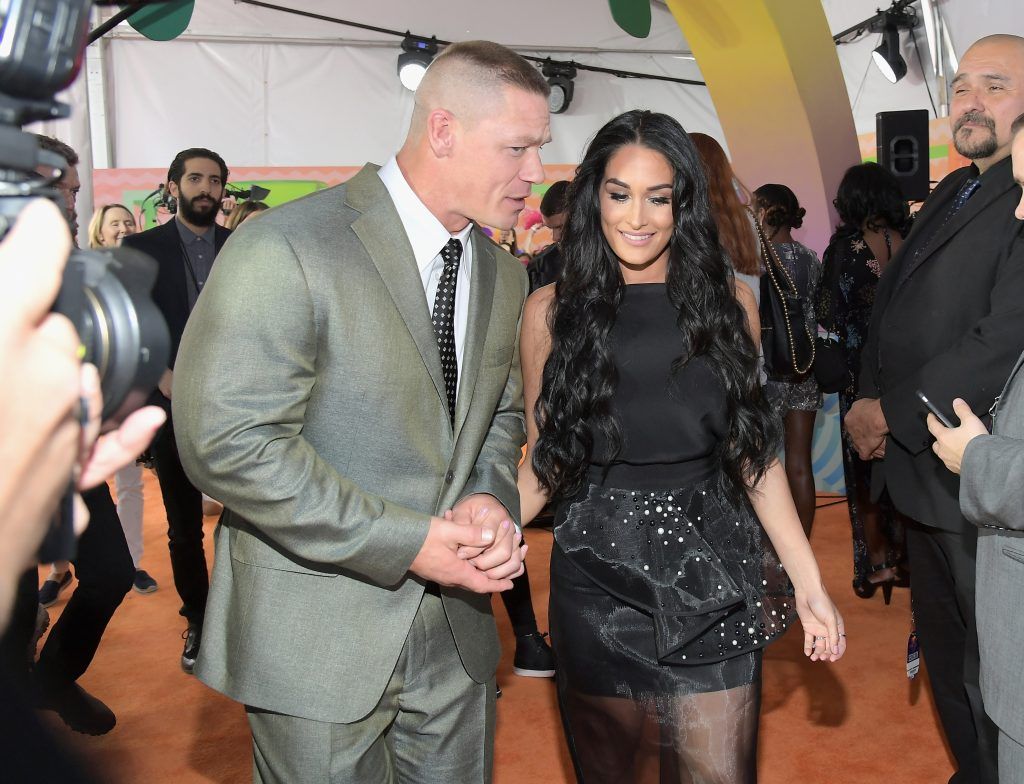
x: 193, y: 636
x: 534, y: 657
x: 77, y: 708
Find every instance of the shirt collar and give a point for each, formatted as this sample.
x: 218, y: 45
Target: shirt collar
x: 426, y: 234
x: 187, y: 235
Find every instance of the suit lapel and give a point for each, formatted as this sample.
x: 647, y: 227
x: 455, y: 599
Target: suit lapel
x: 978, y: 202
x: 481, y: 298
x: 171, y: 241
x: 220, y: 236
x: 380, y: 230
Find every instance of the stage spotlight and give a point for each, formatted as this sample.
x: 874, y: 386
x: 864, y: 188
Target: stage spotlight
x: 887, y: 56
x: 559, y: 76
x: 417, y: 54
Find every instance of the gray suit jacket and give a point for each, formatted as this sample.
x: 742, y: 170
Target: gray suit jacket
x: 992, y: 493
x: 308, y: 398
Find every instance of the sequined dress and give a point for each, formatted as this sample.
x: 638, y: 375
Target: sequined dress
x: 663, y: 591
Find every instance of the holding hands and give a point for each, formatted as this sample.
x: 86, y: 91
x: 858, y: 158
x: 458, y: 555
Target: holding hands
x: 475, y: 546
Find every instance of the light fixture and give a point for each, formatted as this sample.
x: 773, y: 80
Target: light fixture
x: 889, y: 23
x: 417, y: 54
x: 887, y: 56
x: 559, y: 76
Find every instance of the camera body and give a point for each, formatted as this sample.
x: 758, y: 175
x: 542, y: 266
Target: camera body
x: 105, y: 294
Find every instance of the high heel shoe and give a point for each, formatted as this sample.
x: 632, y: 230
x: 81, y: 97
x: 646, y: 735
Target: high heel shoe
x: 865, y: 587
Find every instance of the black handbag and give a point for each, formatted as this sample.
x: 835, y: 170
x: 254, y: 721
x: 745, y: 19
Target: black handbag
x: 830, y: 367
x: 786, y: 342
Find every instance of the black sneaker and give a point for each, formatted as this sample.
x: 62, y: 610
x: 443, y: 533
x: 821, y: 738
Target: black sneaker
x: 77, y: 708
x: 192, y: 636
x: 534, y: 657
x: 52, y: 589
x: 143, y: 582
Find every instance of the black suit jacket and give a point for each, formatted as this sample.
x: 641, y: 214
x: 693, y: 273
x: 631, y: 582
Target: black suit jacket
x: 948, y: 319
x: 170, y: 292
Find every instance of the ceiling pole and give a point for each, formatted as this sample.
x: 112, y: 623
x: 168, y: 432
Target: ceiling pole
x: 773, y: 74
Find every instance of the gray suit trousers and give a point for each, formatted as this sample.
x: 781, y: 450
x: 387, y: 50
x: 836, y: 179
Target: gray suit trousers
x: 434, y: 724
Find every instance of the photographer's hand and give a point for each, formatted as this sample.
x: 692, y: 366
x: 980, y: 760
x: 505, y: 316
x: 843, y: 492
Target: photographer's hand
x: 39, y: 363
x: 166, y: 380
x: 103, y: 455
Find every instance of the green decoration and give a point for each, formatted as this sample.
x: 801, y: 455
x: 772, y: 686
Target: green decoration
x: 633, y: 16
x: 163, y: 21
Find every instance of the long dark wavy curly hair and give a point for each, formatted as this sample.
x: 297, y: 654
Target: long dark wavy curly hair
x: 580, y: 377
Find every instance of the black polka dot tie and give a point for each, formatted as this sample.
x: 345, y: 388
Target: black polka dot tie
x: 443, y: 319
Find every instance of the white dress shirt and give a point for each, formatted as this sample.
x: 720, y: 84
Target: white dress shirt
x: 427, y: 237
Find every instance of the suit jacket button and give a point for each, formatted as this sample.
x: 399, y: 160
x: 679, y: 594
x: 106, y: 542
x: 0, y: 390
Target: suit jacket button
x: 449, y: 477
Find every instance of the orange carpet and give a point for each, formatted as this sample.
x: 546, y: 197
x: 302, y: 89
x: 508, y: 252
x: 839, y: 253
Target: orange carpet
x: 860, y: 720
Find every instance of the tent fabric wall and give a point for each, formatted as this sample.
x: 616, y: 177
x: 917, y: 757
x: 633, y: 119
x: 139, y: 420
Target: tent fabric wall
x: 285, y: 104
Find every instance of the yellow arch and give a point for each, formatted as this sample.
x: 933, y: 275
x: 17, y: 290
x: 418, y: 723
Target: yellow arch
x: 774, y: 77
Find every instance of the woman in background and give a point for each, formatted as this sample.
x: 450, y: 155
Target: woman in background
x: 729, y: 199
x: 795, y: 399
x: 874, y: 218
x: 648, y: 427
x: 242, y: 211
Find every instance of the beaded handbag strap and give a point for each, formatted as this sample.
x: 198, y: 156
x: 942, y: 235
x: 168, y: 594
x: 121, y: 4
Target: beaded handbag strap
x: 773, y: 265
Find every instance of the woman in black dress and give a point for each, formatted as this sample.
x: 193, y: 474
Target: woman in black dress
x: 795, y: 398
x: 648, y: 427
x: 874, y: 219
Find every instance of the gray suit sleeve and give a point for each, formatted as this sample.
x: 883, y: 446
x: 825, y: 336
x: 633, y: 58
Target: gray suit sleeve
x: 992, y: 482
x: 244, y: 373
x: 497, y: 466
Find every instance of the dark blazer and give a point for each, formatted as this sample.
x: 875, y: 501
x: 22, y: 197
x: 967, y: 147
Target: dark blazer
x: 170, y: 292
x: 948, y: 320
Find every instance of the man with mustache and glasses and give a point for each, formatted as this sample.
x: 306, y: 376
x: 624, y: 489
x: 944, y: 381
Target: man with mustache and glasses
x: 185, y: 249
x: 948, y: 320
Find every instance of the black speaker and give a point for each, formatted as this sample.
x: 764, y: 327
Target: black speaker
x: 902, y: 139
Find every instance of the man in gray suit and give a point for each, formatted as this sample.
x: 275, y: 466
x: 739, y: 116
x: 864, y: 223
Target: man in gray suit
x: 352, y: 392
x: 991, y: 469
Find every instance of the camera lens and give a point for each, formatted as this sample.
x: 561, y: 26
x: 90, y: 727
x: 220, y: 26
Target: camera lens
x: 122, y: 331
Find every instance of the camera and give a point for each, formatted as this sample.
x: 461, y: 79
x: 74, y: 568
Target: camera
x: 105, y: 294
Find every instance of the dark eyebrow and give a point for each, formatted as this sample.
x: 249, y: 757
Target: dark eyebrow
x: 621, y: 184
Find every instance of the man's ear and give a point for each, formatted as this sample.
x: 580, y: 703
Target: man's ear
x: 441, y: 132
x: 173, y: 189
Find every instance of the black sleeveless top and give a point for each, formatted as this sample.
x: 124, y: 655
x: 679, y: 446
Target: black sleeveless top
x: 671, y: 422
